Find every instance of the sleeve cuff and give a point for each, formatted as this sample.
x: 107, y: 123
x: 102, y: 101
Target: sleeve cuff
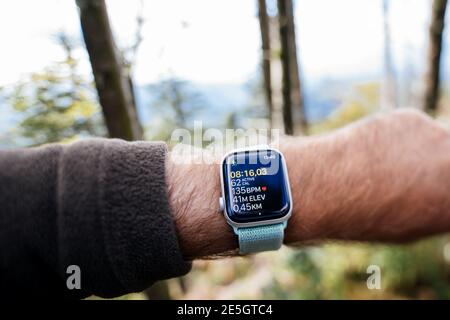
x: 114, y: 216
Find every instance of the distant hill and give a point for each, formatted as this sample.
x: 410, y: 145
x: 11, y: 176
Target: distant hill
x: 221, y: 99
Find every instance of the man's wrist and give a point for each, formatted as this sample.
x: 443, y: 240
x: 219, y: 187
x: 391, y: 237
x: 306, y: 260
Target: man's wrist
x: 194, y: 191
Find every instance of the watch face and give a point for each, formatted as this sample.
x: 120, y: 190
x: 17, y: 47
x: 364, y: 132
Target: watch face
x: 256, y: 186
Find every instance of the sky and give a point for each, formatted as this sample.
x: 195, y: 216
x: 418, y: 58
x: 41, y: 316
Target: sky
x: 217, y: 41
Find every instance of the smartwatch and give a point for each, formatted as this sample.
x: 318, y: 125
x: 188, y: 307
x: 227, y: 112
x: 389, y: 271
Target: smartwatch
x: 256, y: 197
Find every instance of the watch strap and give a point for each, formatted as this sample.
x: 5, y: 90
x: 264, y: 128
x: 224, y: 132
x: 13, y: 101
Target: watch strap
x: 260, y: 238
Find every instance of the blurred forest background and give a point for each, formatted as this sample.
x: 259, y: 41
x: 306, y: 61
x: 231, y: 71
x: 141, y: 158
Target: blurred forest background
x: 138, y: 69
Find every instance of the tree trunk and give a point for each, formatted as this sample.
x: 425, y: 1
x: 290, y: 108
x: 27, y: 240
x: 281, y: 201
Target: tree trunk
x: 434, y: 55
x: 298, y: 107
x: 266, y: 55
x: 289, y: 64
x: 389, y: 86
x: 113, y: 86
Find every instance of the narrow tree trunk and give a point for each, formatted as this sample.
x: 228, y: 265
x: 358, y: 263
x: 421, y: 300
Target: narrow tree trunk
x: 289, y: 65
x: 434, y: 55
x: 113, y: 86
x: 298, y: 108
x: 389, y: 86
x: 266, y: 55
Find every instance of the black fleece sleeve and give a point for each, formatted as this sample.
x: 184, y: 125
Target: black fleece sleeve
x: 98, y: 204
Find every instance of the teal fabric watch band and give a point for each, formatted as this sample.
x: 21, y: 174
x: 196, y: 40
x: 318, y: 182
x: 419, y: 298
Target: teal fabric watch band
x: 260, y: 238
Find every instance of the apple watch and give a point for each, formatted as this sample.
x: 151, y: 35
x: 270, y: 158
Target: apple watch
x: 256, y: 197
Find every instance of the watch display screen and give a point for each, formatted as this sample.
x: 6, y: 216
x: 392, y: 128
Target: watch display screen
x: 256, y: 187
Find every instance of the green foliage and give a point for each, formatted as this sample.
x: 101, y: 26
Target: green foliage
x: 330, y: 271
x: 57, y: 104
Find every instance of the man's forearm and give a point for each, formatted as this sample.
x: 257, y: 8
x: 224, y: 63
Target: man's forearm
x: 382, y: 179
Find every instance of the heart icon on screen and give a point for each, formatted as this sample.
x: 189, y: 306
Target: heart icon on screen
x: 264, y: 188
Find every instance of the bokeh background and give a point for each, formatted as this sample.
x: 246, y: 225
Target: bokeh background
x: 139, y: 69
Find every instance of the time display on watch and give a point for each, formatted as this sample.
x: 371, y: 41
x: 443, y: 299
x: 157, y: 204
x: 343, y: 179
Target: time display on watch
x: 256, y: 187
